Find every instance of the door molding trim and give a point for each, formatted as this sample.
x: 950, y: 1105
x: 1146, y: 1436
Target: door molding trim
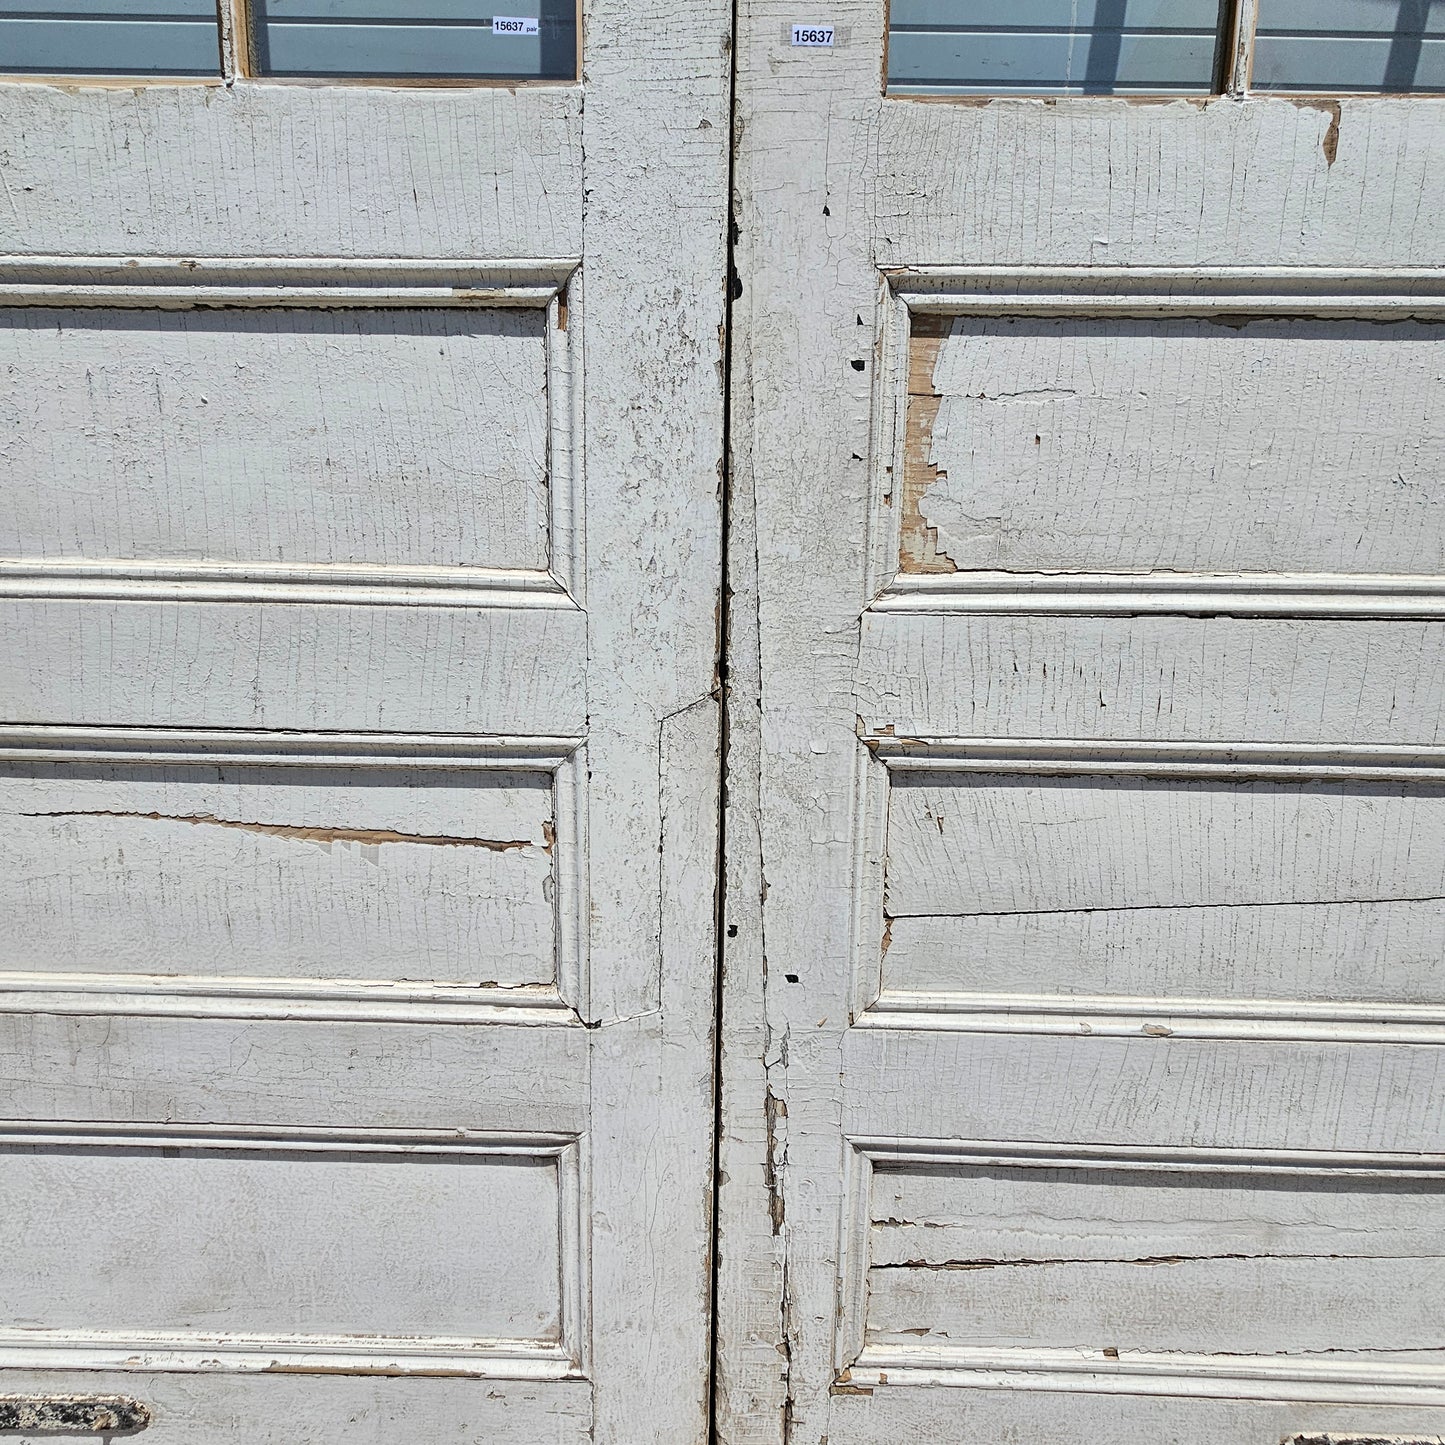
x: 1151, y: 594
x: 1393, y: 293
x: 175, y: 283
x: 1160, y: 292
x: 190, y: 1351
x: 1116, y: 1016
x: 563, y: 1003
x: 863, y: 1367
x: 186, y: 283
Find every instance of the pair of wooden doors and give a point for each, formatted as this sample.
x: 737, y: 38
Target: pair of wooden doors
x: 1076, y: 1054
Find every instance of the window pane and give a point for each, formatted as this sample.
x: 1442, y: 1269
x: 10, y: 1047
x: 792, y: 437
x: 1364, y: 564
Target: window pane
x: 438, y: 38
x: 1053, y: 47
x: 1329, y: 45
x: 110, y: 37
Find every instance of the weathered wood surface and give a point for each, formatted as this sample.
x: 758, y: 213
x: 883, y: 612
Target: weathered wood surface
x: 336, y: 1244
x: 1381, y: 951
x: 452, y: 489
x: 1275, y: 1265
x: 1272, y: 680
x: 256, y: 170
x: 1120, y: 445
x: 311, y: 873
x: 253, y: 436
x: 1006, y: 845
x: 842, y: 194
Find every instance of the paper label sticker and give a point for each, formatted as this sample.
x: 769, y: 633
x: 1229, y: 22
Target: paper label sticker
x: 514, y: 25
x: 813, y: 36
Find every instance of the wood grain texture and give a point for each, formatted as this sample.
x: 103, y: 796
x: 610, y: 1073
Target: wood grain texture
x: 424, y: 669
x: 345, y: 1244
x: 399, y: 438
x: 1117, y: 445
x: 275, y: 1408
x: 1076, y: 181
x: 1378, y: 951
x: 656, y: 134
x: 295, y: 873
x: 978, y: 1416
x: 253, y: 170
x: 1272, y: 680
x: 1060, y: 845
x: 1271, y: 1264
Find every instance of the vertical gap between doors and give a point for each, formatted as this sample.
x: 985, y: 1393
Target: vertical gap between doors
x: 724, y: 614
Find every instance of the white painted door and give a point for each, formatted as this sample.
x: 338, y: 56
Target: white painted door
x: 360, y: 524
x: 1083, y: 1055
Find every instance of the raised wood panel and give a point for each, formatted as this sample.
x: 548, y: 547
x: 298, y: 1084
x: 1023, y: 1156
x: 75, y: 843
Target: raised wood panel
x: 296, y: 873
x: 1099, y: 1259
x: 1246, y: 183
x: 311, y: 1244
x: 1144, y: 1090
x: 1078, y: 1417
x: 1271, y: 680
x: 1118, y: 444
x: 409, y: 438
x: 1377, y: 951
x: 222, y: 1070
x: 1186, y: 1272
x: 282, y: 875
x: 490, y: 670
x: 1226, y: 891
x: 282, y: 1406
x: 1039, y: 845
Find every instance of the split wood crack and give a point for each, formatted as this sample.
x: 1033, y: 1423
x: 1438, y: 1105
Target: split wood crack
x: 1173, y: 907
x: 306, y: 833
x: 1150, y: 1259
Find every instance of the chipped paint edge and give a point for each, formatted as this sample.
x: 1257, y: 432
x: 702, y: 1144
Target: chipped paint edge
x: 1379, y: 294
x: 1147, y: 1373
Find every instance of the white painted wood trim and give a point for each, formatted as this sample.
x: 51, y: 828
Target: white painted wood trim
x: 1200, y: 1377
x: 1240, y: 71
x: 879, y: 1365
x: 338, y: 583
x: 320, y: 1000
x: 1145, y: 594
x: 188, y: 1351
x: 277, y: 1354
x: 1027, y: 1154
x: 35, y: 742
x: 886, y: 464
x: 81, y: 992
x: 185, y: 283
x: 1111, y: 1016
x: 566, y: 550
x: 1386, y: 293
x: 1110, y: 758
